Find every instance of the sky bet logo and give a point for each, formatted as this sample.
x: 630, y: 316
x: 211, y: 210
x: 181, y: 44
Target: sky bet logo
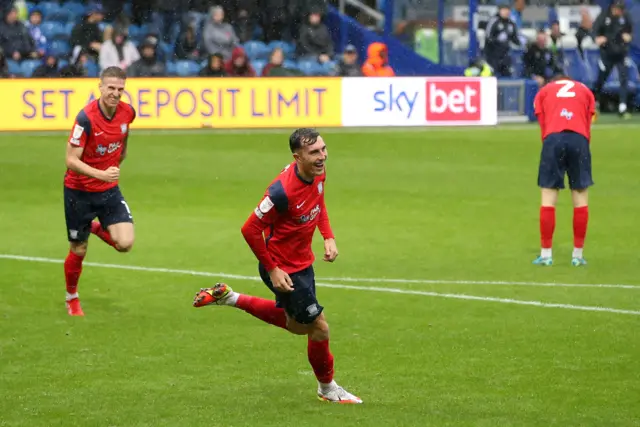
x: 566, y: 113
x: 395, y: 101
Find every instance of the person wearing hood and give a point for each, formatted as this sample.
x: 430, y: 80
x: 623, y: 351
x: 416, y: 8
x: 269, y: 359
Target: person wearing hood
x: 49, y: 67
x: 219, y: 36
x: 501, y: 31
x: 348, y: 64
x: 187, y: 45
x: 87, y: 35
x: 77, y: 66
x: 119, y: 51
x: 377, y: 63
x: 214, y: 68
x: 314, y: 40
x: 239, y: 65
x: 148, y: 65
x: 15, y: 39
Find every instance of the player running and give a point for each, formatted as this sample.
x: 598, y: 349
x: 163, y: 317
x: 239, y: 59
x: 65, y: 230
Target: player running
x: 291, y: 209
x: 565, y: 110
x: 96, y: 148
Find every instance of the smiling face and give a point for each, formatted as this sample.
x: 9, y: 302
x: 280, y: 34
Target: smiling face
x: 311, y: 158
x: 111, y: 90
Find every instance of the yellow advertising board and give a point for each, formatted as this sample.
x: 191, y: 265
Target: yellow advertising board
x: 179, y: 103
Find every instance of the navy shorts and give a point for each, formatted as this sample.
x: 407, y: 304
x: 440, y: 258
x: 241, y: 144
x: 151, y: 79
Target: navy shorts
x: 300, y: 304
x: 81, y: 207
x: 565, y: 153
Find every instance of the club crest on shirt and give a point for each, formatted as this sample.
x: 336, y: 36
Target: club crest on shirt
x: 320, y: 188
x: 123, y: 128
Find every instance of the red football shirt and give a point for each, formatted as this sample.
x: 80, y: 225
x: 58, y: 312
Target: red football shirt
x: 288, y: 215
x: 565, y: 105
x: 103, y: 140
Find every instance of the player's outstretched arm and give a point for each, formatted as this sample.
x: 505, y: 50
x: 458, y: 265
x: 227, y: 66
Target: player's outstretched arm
x: 330, y: 247
x: 74, y: 162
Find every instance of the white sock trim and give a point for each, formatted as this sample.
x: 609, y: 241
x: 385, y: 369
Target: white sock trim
x: 577, y: 252
x: 72, y: 296
x: 545, y: 253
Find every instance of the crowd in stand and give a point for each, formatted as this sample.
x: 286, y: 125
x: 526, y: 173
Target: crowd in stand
x: 154, y: 38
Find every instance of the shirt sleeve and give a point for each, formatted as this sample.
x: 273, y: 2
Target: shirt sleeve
x: 323, y: 222
x: 272, y: 205
x: 81, y: 130
x: 133, y: 114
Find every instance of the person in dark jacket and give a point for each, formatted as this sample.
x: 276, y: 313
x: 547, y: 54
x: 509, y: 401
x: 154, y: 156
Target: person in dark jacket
x: 187, y: 45
x: 500, y: 32
x: 87, y: 35
x: 15, y: 39
x: 612, y: 30
x: 48, y: 69
x: 77, y: 66
x: 239, y: 65
x: 348, y: 64
x: 148, y: 65
x: 275, y: 19
x: 215, y: 67
x: 539, y: 62
x: 557, y: 46
x: 315, y: 40
x: 4, y: 68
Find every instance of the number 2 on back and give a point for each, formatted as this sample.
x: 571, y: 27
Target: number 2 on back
x: 565, y: 91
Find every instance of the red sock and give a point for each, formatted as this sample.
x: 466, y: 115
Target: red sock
x: 321, y: 360
x: 263, y: 309
x: 547, y: 226
x: 72, y: 271
x: 580, y: 220
x: 97, y: 229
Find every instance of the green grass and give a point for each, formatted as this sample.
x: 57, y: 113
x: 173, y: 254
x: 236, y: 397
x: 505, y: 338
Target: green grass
x: 433, y: 205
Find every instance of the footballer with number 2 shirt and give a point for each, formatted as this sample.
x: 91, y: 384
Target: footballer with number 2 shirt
x: 96, y: 148
x: 290, y: 211
x: 565, y: 110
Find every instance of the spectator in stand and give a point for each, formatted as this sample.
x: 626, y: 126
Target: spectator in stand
x: 187, y: 45
x: 539, y: 62
x: 214, y: 68
x: 275, y: 67
x: 584, y: 31
x: 77, y: 67
x: 377, y: 63
x: 516, y: 12
x: 119, y: 51
x: 239, y: 65
x: 501, y: 31
x: 87, y: 35
x: 244, y: 19
x: 219, y: 36
x: 4, y: 68
x: 33, y: 26
x: 557, y: 48
x: 348, y: 64
x: 275, y: 19
x: 15, y: 39
x: 48, y: 69
x: 315, y: 40
x: 140, y: 11
x: 148, y: 65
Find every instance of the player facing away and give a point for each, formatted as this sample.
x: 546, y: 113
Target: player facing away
x: 96, y: 148
x: 291, y: 209
x: 565, y: 110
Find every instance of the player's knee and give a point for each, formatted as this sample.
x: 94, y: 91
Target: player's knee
x: 124, y: 244
x: 319, y: 330
x: 79, y: 248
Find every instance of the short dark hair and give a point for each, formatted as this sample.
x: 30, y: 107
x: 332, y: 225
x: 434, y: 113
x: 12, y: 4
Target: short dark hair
x: 301, y: 137
x: 114, y: 71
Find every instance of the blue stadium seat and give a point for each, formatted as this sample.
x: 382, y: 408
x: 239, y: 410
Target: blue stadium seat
x: 28, y: 66
x: 59, y: 48
x: 92, y: 69
x: 256, y: 50
x: 135, y: 32
x: 516, y: 61
x: 311, y: 67
x: 171, y: 68
x: 258, y: 65
x: 60, y: 15
x: 69, y: 27
x: 48, y: 7
x: 51, y: 28
x: 62, y: 63
x: 166, y: 50
x: 288, y: 48
x: 187, y: 68
x: 74, y: 8
x: 14, y: 67
x: 290, y: 64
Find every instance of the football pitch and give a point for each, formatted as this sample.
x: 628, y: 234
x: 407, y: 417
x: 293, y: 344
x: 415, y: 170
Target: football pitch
x: 437, y: 316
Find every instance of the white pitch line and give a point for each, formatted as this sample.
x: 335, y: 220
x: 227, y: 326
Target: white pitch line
x: 338, y: 286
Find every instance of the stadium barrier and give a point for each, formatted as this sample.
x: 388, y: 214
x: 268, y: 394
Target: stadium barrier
x: 166, y: 103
